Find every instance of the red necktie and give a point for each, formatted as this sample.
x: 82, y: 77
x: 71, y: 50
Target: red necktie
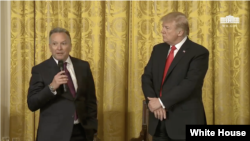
x: 70, y: 83
x: 168, y: 63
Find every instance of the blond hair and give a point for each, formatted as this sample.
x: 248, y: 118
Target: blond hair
x: 180, y: 20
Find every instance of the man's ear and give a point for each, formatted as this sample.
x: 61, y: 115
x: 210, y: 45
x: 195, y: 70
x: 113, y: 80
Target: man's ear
x: 50, y: 47
x: 70, y: 47
x: 180, y: 32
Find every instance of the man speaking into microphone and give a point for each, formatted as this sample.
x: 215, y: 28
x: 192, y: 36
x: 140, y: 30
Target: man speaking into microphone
x: 62, y: 87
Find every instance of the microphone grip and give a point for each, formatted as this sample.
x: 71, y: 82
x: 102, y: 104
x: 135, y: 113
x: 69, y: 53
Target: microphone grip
x: 64, y: 86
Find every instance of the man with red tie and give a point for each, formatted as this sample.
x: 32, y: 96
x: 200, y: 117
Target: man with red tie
x: 172, y: 81
x: 63, y: 88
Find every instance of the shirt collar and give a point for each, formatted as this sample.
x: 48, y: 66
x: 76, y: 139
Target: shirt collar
x: 68, y: 60
x: 178, y: 46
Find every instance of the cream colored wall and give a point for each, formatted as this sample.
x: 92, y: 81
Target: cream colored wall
x: 5, y: 46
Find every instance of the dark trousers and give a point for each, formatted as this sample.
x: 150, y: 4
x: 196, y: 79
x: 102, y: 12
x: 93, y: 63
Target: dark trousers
x: 161, y: 133
x: 78, y: 133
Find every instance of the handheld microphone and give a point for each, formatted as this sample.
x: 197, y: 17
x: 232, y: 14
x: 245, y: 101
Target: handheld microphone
x: 60, y: 65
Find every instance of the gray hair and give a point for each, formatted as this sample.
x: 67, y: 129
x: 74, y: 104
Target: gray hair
x: 59, y: 30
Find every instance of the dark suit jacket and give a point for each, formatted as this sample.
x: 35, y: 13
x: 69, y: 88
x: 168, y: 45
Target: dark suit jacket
x: 57, y: 111
x: 182, y: 88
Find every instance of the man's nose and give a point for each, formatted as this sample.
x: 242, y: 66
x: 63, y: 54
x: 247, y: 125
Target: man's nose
x: 162, y: 31
x: 59, y: 47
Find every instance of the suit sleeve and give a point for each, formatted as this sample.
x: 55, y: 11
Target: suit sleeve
x: 91, y: 95
x: 192, y: 82
x: 38, y: 93
x: 147, y: 79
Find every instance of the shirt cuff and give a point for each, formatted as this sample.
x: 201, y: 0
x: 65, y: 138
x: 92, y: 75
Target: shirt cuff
x: 51, y: 89
x: 54, y: 92
x: 161, y: 103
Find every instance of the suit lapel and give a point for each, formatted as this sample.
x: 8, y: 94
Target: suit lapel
x: 162, y: 60
x: 77, y: 73
x: 53, y: 68
x: 182, y: 51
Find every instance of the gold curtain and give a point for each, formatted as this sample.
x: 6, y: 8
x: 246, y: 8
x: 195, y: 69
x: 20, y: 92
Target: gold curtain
x: 117, y: 38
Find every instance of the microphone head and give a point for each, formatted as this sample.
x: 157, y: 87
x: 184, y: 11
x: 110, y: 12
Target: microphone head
x: 60, y: 64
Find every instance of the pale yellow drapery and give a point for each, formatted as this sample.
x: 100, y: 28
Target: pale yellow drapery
x: 117, y: 38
